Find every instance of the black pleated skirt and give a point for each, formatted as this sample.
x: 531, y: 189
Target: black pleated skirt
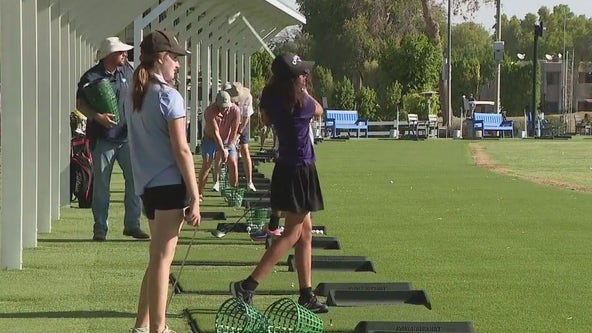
x: 296, y: 189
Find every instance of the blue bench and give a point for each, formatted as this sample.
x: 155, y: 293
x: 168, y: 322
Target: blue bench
x: 345, y: 120
x: 492, y: 122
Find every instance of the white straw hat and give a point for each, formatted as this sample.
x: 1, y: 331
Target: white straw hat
x: 110, y: 45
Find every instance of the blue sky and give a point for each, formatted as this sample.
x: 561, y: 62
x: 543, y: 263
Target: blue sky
x: 519, y: 8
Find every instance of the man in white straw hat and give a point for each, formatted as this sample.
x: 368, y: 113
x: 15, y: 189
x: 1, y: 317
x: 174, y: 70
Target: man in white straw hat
x: 109, y: 139
x: 241, y: 96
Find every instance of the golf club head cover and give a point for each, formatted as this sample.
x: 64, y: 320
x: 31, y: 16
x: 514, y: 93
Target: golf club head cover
x: 274, y: 222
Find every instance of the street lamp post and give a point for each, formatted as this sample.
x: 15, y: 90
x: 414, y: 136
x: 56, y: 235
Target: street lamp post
x: 498, y: 45
x: 538, y: 32
x: 449, y: 70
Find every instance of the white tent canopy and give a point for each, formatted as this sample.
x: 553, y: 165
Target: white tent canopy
x: 48, y: 44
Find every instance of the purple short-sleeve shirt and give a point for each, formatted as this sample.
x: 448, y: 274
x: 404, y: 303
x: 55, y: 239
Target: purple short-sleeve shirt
x: 293, y: 129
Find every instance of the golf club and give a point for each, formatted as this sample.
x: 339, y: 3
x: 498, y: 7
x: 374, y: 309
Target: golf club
x: 181, y: 269
x: 230, y: 227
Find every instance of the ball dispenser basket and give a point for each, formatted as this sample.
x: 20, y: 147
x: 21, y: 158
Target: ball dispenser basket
x: 101, y: 96
x: 287, y: 316
x: 236, y: 316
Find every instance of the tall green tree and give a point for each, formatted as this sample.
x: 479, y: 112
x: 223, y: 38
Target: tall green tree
x: 344, y: 95
x: 260, y: 71
x: 416, y: 63
x: 430, y: 12
x: 323, y: 84
x: 391, y: 101
x: 366, y: 103
x: 516, y: 87
x: 347, y: 34
x: 472, y: 61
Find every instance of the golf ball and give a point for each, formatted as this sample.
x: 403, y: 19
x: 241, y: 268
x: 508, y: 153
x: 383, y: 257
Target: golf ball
x: 248, y: 229
x: 392, y: 181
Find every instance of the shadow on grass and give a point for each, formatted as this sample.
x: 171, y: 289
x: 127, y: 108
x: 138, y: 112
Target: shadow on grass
x: 89, y: 240
x: 69, y: 314
x: 203, y: 310
x: 218, y: 242
x: 226, y: 292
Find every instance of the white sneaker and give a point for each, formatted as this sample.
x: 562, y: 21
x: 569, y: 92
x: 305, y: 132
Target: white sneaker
x: 216, y: 187
x: 140, y: 330
x: 252, y: 187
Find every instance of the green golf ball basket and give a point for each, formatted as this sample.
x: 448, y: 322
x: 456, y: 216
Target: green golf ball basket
x: 257, y: 217
x: 223, y: 181
x: 287, y: 316
x: 236, y: 316
x: 101, y: 96
x: 234, y: 196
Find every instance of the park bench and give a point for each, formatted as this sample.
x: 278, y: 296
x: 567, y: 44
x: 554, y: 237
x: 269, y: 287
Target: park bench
x: 344, y: 120
x: 492, y: 122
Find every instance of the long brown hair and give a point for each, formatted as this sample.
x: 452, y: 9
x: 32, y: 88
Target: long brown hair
x: 142, y: 78
x: 283, y: 85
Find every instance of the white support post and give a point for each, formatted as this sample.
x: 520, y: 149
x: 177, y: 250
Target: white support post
x: 224, y: 67
x: 11, y: 222
x: 30, y: 118
x: 63, y: 113
x: 141, y: 22
x: 206, y: 77
x: 240, y: 60
x: 44, y: 170
x: 80, y: 67
x: 194, y: 95
x: 232, y: 65
x: 183, y: 73
x: 138, y: 36
x: 56, y: 74
x: 247, y: 81
x: 215, y: 70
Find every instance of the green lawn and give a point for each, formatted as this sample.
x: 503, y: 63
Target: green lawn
x: 508, y: 254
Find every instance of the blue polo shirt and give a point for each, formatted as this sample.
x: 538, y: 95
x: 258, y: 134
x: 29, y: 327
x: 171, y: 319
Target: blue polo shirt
x: 120, y: 80
x: 153, y: 157
x: 292, y: 128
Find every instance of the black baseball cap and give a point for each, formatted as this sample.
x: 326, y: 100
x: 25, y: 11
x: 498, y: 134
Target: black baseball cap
x: 292, y: 64
x: 162, y: 41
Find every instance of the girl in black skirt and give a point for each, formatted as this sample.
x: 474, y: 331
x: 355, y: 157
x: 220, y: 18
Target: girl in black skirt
x: 295, y: 189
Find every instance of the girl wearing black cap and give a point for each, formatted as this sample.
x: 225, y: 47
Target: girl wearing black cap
x: 295, y: 188
x: 163, y: 169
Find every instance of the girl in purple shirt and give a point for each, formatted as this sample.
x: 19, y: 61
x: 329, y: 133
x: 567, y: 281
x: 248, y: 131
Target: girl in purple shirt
x: 295, y: 188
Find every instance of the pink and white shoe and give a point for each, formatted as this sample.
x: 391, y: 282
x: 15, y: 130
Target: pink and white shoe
x: 262, y: 234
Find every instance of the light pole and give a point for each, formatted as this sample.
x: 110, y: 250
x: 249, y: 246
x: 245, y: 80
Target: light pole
x: 449, y: 70
x: 538, y: 32
x: 498, y: 45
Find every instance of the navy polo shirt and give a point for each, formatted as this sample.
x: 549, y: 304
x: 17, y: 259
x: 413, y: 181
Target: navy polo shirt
x: 120, y: 79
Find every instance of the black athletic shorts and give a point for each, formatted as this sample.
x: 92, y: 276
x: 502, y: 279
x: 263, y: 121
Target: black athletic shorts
x: 296, y: 189
x: 165, y: 197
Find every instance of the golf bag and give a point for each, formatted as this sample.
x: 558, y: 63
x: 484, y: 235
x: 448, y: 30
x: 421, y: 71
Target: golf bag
x: 81, y: 177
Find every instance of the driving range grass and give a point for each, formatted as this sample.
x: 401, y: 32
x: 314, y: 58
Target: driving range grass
x: 569, y: 162
x: 508, y: 254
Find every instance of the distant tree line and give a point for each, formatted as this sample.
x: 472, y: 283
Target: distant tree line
x: 378, y: 56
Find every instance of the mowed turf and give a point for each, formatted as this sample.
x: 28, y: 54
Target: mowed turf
x: 505, y: 253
